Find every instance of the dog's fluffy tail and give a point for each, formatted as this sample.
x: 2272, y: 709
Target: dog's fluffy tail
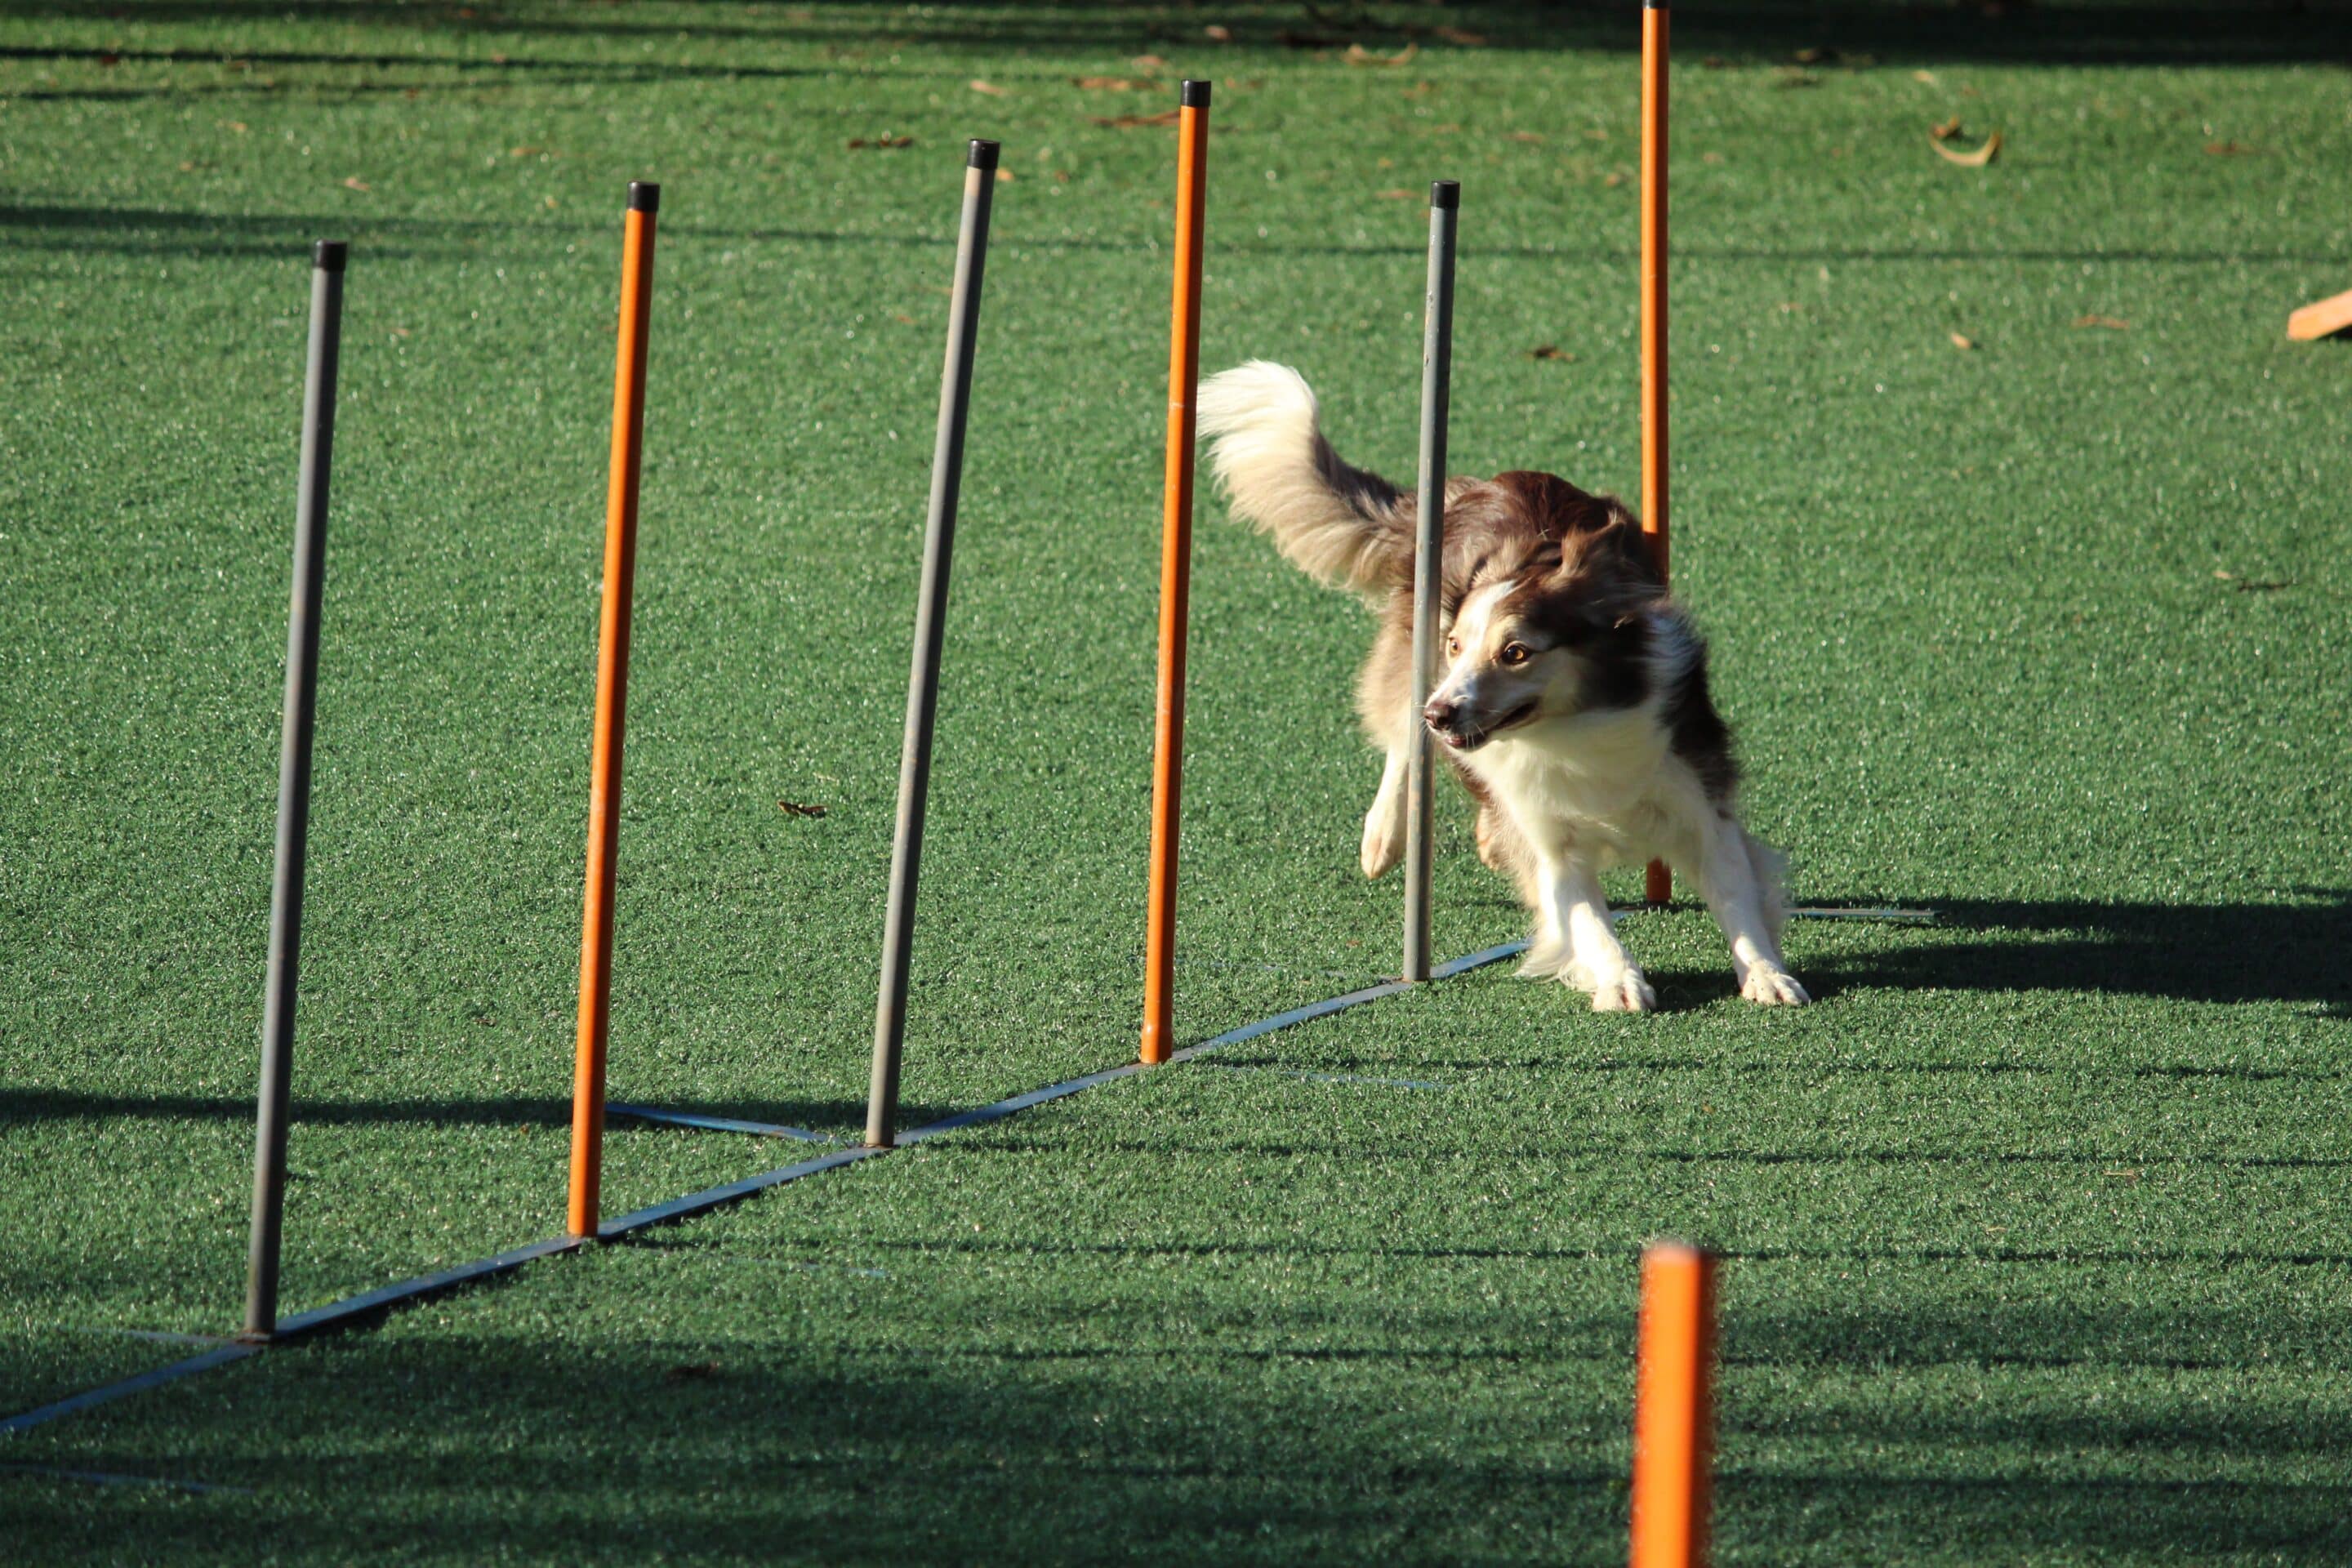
x: 1338, y: 523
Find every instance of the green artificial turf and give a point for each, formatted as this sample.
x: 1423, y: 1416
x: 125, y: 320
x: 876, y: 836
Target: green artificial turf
x: 2035, y: 1234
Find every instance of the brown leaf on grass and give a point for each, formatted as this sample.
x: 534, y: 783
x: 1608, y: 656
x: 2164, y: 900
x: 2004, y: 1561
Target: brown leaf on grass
x: 1613, y: 180
x: 884, y: 143
x: 990, y: 87
x: 1111, y: 83
x: 239, y: 126
x: 1358, y: 55
x: 1526, y: 136
x: 1946, y: 131
x: 1925, y: 76
x: 1149, y: 63
x: 793, y: 807
x: 355, y: 183
x: 2105, y: 324
x: 1218, y: 34
x: 1421, y: 89
x: 1397, y: 195
x: 1167, y: 116
x: 1963, y: 343
x: 1549, y: 351
x: 2232, y: 150
x: 1976, y: 160
x: 904, y: 320
x: 1004, y: 176
x: 1462, y: 36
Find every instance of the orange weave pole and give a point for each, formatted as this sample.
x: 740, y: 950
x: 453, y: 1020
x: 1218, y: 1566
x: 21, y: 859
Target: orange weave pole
x: 1674, y: 1409
x: 1175, y: 577
x: 612, y: 691
x: 1660, y: 886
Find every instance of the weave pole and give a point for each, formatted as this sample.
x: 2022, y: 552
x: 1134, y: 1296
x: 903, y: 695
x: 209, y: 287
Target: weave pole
x: 587, y: 1206
x: 328, y: 257
x: 1659, y: 885
x: 1428, y: 566
x: 1175, y: 577
x: 930, y: 622
x: 1674, y: 1409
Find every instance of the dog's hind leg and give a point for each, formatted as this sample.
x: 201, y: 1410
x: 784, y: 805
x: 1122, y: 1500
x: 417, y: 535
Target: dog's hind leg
x: 1384, y: 824
x: 1741, y: 881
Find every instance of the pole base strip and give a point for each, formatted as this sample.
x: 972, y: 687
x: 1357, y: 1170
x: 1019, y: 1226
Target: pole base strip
x: 369, y: 1305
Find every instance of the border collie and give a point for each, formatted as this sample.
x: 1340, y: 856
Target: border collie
x: 1574, y: 705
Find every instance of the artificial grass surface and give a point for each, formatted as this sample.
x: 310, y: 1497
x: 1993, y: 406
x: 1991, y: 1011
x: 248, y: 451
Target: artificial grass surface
x: 1970, y: 615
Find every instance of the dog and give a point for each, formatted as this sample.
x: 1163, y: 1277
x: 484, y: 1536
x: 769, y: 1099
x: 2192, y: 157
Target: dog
x: 1574, y: 704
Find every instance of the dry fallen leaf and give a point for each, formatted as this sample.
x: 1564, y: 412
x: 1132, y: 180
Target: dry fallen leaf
x: 1169, y: 117
x: 1111, y: 83
x: 1360, y: 56
x: 1946, y: 131
x: 795, y: 809
x: 1927, y: 77
x: 1217, y: 34
x: 990, y: 87
x: 1396, y: 195
x: 904, y: 320
x: 1149, y: 63
x: 1710, y: 157
x: 1004, y: 176
x: 1962, y: 341
x: 2232, y: 150
x: 2224, y: 576
x: 355, y: 183
x: 1614, y: 180
x: 882, y: 143
x: 1549, y: 351
x: 1526, y: 136
x: 1976, y: 160
x: 2110, y: 323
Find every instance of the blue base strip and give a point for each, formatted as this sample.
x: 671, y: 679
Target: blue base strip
x: 717, y: 1123
x: 343, y: 1313
x: 107, y: 1393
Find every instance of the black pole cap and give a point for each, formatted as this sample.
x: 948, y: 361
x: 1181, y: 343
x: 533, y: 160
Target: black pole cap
x: 644, y: 197
x: 983, y: 154
x: 1446, y: 194
x: 329, y: 255
x: 1195, y: 94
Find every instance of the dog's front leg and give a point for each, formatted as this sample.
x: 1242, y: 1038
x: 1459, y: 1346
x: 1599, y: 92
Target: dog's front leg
x: 1732, y: 881
x: 1384, y: 824
x: 1574, y: 908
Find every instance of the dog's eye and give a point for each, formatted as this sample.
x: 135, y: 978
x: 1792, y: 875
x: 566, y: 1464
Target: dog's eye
x: 1453, y: 645
x: 1515, y: 653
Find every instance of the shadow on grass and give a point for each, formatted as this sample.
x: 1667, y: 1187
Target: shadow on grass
x: 1736, y: 33
x: 2298, y: 952
x: 720, y: 1441
x: 20, y: 1104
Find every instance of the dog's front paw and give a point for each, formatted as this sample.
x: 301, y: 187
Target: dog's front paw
x: 1383, y: 841
x: 1768, y: 987
x: 1626, y: 992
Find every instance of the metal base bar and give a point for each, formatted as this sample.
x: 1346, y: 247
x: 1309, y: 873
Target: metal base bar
x: 719, y: 1123
x: 106, y: 1393
x: 374, y: 1303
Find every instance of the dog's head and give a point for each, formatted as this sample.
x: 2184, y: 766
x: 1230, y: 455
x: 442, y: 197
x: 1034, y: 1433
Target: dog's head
x: 1541, y: 628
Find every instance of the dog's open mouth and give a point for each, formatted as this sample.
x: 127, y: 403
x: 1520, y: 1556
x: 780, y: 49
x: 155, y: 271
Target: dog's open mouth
x: 1471, y: 740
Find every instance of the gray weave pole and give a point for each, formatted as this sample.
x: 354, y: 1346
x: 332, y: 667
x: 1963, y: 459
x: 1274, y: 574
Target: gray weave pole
x: 327, y: 258
x: 1429, y: 555
x: 930, y: 617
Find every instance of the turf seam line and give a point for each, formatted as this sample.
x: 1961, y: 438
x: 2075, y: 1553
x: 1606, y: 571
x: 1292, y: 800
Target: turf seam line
x: 370, y: 1303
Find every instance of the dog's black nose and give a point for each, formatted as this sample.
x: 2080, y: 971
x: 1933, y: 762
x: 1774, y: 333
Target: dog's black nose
x: 1441, y: 713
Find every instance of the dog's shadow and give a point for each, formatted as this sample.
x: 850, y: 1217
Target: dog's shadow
x: 2192, y: 952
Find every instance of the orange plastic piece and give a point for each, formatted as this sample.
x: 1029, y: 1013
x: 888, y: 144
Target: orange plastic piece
x: 1660, y: 884
x: 2319, y: 320
x: 1674, y: 1409
x: 612, y: 688
x: 1175, y: 587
